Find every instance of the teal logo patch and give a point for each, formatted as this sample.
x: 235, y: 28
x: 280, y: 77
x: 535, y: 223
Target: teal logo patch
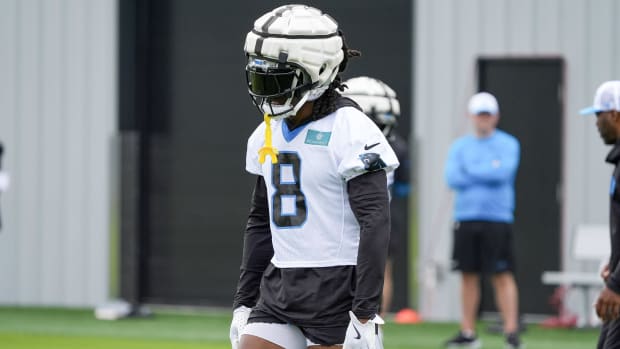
x: 318, y: 137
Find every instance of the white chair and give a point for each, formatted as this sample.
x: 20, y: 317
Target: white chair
x: 590, y: 244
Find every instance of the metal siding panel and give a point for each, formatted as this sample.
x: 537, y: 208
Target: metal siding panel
x: 443, y: 107
x: 76, y: 149
x: 572, y: 45
x: 546, y: 17
x: 493, y: 21
x: 58, y: 111
x: 423, y: 73
x: 422, y: 70
x: 437, y: 70
x: 443, y: 52
x: 52, y: 159
x: 600, y: 36
x: 615, y: 44
x: 26, y: 184
x: 103, y: 116
x: 8, y: 236
x: 469, y: 40
x: 522, y: 28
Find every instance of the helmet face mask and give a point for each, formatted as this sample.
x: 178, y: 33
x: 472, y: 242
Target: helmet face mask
x: 386, y: 121
x: 275, y: 88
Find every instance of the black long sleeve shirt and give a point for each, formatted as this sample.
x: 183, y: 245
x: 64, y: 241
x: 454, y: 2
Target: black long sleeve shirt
x: 613, y: 282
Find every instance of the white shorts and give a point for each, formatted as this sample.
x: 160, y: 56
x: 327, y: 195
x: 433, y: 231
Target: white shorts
x: 284, y: 335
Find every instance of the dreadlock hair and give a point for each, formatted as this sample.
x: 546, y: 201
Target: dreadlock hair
x: 326, y: 104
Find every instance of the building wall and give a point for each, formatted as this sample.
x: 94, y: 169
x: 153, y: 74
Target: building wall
x: 57, y: 118
x: 449, y: 36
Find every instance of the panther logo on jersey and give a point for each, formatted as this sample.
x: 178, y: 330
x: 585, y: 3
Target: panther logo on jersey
x: 372, y: 161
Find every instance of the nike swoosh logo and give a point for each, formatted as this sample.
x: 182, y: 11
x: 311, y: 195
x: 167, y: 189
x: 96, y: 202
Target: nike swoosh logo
x: 359, y: 335
x: 366, y: 147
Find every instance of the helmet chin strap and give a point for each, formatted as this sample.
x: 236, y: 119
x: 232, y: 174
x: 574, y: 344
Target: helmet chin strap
x: 299, y: 104
x: 291, y: 111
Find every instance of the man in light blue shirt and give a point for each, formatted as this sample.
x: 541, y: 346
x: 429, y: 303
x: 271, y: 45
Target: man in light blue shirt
x: 481, y: 169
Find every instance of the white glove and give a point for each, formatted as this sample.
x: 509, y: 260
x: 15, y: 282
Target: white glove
x: 239, y: 320
x: 363, y: 336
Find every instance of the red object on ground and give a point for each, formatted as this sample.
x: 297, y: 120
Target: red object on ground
x: 566, y: 321
x: 407, y: 316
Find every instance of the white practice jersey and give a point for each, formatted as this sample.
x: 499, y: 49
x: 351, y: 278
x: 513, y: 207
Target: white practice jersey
x: 312, y: 224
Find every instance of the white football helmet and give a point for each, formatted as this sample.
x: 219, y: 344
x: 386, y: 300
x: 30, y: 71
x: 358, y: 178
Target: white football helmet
x: 376, y: 99
x: 294, y: 52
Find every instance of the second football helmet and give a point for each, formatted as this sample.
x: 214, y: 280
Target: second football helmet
x: 293, y: 54
x: 377, y: 100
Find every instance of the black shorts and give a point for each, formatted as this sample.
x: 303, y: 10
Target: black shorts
x: 327, y: 336
x: 483, y: 247
x: 316, y: 300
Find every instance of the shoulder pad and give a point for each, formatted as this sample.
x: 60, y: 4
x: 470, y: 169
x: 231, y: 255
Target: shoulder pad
x: 342, y: 102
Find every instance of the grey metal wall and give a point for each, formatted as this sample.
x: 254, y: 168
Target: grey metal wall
x: 57, y: 118
x: 449, y: 36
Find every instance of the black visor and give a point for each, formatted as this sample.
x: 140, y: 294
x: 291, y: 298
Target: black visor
x: 273, y: 82
x: 270, y: 79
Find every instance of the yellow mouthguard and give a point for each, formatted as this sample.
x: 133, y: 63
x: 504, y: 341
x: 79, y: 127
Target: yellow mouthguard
x: 268, y: 149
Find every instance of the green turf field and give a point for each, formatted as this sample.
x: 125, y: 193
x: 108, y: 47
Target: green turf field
x: 36, y: 328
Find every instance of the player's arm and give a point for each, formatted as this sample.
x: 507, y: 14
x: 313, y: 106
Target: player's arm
x: 499, y: 170
x: 613, y: 281
x: 257, y: 248
x: 368, y: 197
x: 454, y: 172
x: 608, y: 303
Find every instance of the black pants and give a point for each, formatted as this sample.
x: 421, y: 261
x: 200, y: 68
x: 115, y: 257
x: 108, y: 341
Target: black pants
x: 610, y: 335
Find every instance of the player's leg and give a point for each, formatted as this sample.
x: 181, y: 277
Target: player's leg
x: 260, y: 335
x: 252, y: 342
x: 386, y: 300
x: 507, y: 300
x: 465, y: 259
x: 470, y: 299
x: 499, y: 261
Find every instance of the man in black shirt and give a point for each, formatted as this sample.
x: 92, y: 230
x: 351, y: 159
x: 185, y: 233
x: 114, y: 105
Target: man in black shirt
x: 606, y: 107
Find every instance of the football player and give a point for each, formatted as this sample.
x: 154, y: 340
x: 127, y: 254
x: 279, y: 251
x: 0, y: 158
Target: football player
x: 317, y: 234
x: 380, y: 103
